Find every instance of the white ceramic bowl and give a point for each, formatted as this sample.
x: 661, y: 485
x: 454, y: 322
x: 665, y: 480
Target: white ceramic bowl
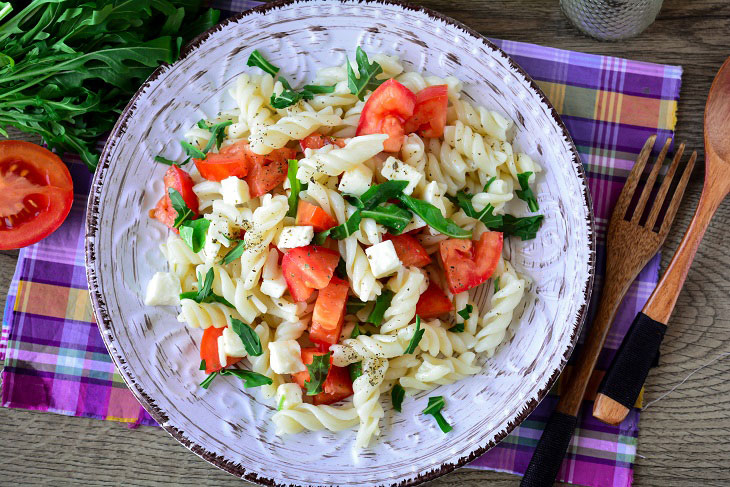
x: 230, y: 426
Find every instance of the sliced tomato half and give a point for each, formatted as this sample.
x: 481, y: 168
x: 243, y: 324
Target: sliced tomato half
x: 410, y: 251
x: 36, y: 193
x: 429, y: 116
x: 209, y: 350
x: 468, y: 264
x: 219, y: 166
x: 308, y: 268
x: 386, y: 112
x: 329, y: 312
x: 309, y: 214
x: 433, y: 302
x: 336, y: 387
x: 180, y: 181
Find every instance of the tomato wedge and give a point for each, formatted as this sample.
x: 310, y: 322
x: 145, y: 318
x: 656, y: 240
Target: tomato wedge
x: 181, y: 181
x: 317, y: 141
x: 36, y: 193
x: 308, y: 268
x: 429, y: 116
x: 336, y: 387
x: 385, y: 112
x: 468, y: 264
x: 209, y: 350
x: 329, y: 312
x: 410, y: 251
x: 309, y: 214
x: 433, y: 302
x: 217, y: 167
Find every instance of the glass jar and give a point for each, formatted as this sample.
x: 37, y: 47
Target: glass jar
x: 611, y: 20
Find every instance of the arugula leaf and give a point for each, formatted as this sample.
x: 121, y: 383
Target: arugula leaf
x: 466, y: 312
x: 381, y: 304
x: 233, y: 254
x: 319, y: 89
x: 208, y: 380
x: 458, y: 328
x: 170, y: 162
x: 281, y: 402
x: 396, y: 396
x: 489, y: 183
x: 252, y: 379
x: 320, y: 237
x: 365, y: 79
x: 318, y: 370
x: 288, y: 98
x: 191, y: 150
x: 433, y: 217
x: 205, y: 292
x: 525, y: 193
x: 296, y: 187
x: 202, y: 365
x: 341, y: 269
x: 354, y: 305
x: 256, y: 59
x: 355, y: 331
x: 355, y: 370
x: 496, y: 284
x: 524, y: 227
x: 435, y: 405
x: 416, y: 338
x: 378, y: 193
x: 343, y: 230
x: 178, y: 204
x: 193, y: 232
x: 391, y: 216
x: 486, y: 216
x: 250, y: 339
x: 217, y: 134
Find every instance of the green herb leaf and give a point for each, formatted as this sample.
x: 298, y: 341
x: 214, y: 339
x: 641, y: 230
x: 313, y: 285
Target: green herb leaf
x: 208, y: 380
x: 496, y: 284
x: 281, y: 402
x: 486, y: 216
x: 233, y: 254
x: 193, y: 232
x: 344, y: 230
x: 321, y: 237
x: 217, y: 134
x: 319, y: 89
x: 433, y: 217
x: 416, y: 338
x: 355, y: 331
x: 178, y: 204
x: 288, y: 98
x: 381, y: 304
x: 355, y: 370
x: 257, y: 59
x: 526, y: 194
x: 213, y: 297
x: 296, y: 187
x: 458, y: 328
x: 379, y: 193
x: 354, y: 305
x: 205, y: 287
x: 489, y: 183
x: 524, y: 227
x: 391, y: 216
x: 396, y: 395
x: 466, y: 312
x: 435, y: 405
x: 202, y: 365
x: 251, y: 379
x: 365, y: 80
x: 341, y: 269
x: 250, y: 339
x: 170, y: 162
x: 318, y: 370
x: 191, y: 150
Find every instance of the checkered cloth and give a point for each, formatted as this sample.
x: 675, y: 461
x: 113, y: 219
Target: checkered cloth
x: 55, y: 359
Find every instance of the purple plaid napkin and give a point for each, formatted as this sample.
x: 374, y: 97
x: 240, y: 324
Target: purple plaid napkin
x: 56, y: 361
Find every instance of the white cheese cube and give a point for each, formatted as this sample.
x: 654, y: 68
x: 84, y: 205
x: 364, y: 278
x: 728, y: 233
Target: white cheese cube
x: 274, y: 288
x: 288, y: 396
x: 232, y: 344
x: 286, y: 357
x: 393, y: 169
x: 163, y: 290
x: 297, y: 236
x: 383, y: 259
x: 235, y: 191
x: 357, y: 180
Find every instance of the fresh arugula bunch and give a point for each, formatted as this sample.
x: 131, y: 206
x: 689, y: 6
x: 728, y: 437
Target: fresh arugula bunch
x: 68, y: 67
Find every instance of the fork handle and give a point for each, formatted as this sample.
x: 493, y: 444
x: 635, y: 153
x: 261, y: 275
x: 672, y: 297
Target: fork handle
x: 548, y: 456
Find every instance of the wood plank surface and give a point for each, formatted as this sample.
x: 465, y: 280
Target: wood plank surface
x: 684, y: 438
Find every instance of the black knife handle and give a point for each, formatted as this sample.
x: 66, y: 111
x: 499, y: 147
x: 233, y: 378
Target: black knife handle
x: 626, y: 375
x: 548, y: 456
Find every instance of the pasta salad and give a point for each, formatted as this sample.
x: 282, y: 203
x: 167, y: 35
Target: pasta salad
x: 326, y: 239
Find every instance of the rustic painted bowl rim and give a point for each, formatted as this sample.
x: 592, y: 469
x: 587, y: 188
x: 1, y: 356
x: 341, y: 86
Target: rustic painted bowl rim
x: 99, y: 304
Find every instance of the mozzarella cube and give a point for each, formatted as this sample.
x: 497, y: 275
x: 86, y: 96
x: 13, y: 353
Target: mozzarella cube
x: 274, y: 288
x: 393, y: 169
x: 286, y: 357
x: 288, y: 396
x: 356, y: 181
x: 235, y: 191
x: 163, y: 290
x: 297, y: 236
x: 232, y: 344
x: 383, y: 259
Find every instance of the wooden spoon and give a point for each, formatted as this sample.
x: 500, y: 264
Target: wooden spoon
x: 661, y: 303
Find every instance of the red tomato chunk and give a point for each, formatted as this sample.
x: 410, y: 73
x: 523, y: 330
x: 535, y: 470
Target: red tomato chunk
x: 468, y: 264
x: 410, y: 251
x: 433, y: 302
x: 329, y: 312
x: 385, y: 112
x: 308, y: 268
x: 429, y: 116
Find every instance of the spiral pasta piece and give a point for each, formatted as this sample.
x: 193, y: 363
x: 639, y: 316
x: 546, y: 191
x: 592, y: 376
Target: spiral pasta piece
x: 474, y: 146
x: 499, y: 192
x: 334, y: 161
x: 363, y: 282
x: 350, y: 120
x: 438, y: 340
x: 265, y: 224
x: 328, y: 199
x: 204, y: 315
x: 314, y: 418
x: 408, y: 285
x: 522, y: 163
x: 248, y: 302
x: 437, y: 371
x: 261, y: 364
x: 503, y: 303
x: 461, y: 302
x: 376, y: 346
x: 181, y: 260
x: 251, y: 94
x: 451, y: 162
x: 366, y: 395
x: 265, y: 139
x: 207, y: 192
x: 482, y: 120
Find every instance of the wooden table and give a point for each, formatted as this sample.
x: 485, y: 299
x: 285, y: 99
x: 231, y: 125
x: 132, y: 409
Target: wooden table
x: 683, y: 438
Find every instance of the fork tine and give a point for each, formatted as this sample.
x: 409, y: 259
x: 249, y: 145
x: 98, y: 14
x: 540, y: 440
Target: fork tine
x: 677, y: 198
x: 649, y: 186
x: 664, y: 188
x: 627, y: 193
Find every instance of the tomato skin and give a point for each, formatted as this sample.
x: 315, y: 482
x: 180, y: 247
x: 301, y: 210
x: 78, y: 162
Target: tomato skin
x: 309, y: 214
x: 329, y: 312
x: 217, y: 167
x: 429, y: 115
x: 317, y: 141
x: 180, y: 181
x: 433, y: 302
x: 31, y: 173
x: 468, y: 264
x: 336, y: 386
x: 410, y: 251
x: 209, y: 350
x: 298, y: 290
x: 386, y: 111
x: 264, y: 172
x: 313, y: 264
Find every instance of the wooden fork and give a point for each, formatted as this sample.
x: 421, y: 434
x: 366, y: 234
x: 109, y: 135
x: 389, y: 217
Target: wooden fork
x: 630, y: 245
